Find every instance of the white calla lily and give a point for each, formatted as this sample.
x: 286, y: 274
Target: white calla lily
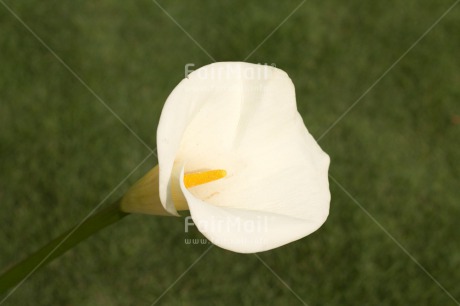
x: 233, y: 149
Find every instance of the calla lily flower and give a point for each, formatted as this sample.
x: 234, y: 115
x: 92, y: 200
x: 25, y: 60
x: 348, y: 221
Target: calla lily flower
x: 233, y: 149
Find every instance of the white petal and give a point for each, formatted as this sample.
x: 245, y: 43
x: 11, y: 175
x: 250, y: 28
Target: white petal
x: 246, y: 231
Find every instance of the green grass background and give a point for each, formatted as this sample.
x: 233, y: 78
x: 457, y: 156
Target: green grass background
x: 397, y: 152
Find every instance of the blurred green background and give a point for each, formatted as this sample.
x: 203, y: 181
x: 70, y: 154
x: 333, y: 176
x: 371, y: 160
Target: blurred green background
x: 397, y: 152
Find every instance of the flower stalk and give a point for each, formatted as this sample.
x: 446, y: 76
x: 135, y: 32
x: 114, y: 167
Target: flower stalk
x: 55, y: 248
x: 142, y: 197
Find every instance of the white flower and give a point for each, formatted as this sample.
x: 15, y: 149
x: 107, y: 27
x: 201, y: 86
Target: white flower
x: 232, y: 129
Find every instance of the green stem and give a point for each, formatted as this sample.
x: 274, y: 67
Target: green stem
x: 25, y: 268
